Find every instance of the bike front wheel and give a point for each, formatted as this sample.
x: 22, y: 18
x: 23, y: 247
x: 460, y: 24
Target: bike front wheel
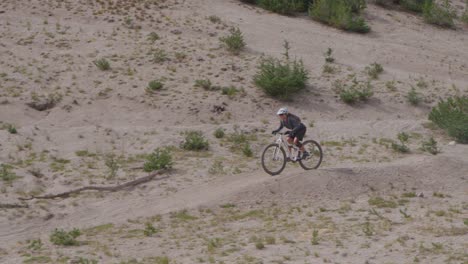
x: 273, y: 159
x: 315, y: 155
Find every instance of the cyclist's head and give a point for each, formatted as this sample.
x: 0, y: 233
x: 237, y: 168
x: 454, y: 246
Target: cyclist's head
x: 282, y: 111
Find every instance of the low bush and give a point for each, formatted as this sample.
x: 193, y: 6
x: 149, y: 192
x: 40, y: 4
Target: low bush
x: 285, y: 7
x: 440, y: 15
x: 219, y: 133
x: 155, y: 85
x: 203, y: 83
x: 235, y: 41
x: 281, y: 79
x: 230, y: 91
x: 357, y: 92
x: 194, y: 140
x: 5, y: 173
x: 413, y: 97
x: 343, y: 14
x: 374, y: 70
x: 159, y: 56
x: 452, y: 116
x: 430, y: 146
x: 464, y: 16
x: 329, y: 56
x: 402, y: 147
x: 64, y: 238
x: 102, y: 64
x: 153, y: 36
x: 159, y: 159
x: 414, y: 5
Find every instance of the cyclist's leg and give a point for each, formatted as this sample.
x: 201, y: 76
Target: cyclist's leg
x: 299, y: 137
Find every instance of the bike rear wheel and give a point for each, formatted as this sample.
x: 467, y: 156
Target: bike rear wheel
x: 273, y: 159
x: 315, y: 157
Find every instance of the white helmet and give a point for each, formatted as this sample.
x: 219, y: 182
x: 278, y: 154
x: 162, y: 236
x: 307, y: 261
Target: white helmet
x: 282, y: 111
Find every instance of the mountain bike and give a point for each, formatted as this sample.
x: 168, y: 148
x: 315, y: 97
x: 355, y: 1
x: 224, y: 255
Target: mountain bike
x: 275, y: 155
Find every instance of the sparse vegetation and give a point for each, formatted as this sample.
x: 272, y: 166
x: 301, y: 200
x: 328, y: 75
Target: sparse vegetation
x: 155, y: 85
x: 112, y: 165
x: 329, y: 56
x: 153, y: 36
x: 402, y: 147
x: 6, y: 174
x: 159, y: 159
x: 413, y: 97
x: 286, y: 7
x: 452, y: 115
x: 219, y: 133
x: 159, y: 56
x: 381, y: 202
x: 9, y: 127
x: 194, y: 140
x: 64, y: 238
x: 430, y: 146
x: 203, y: 83
x: 149, y: 230
x: 374, y: 70
x: 102, y: 64
x: 235, y: 41
x: 440, y: 15
x: 357, y: 92
x: 341, y: 14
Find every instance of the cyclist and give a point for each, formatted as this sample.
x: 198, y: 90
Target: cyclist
x: 297, y: 132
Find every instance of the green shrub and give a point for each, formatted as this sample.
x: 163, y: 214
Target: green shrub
x: 159, y: 159
x: 281, y: 79
x: 153, y: 36
x: 328, y: 69
x: 203, y: 83
x: 214, y: 19
x: 155, y: 85
x: 11, y: 128
x: 102, y: 64
x: 413, y: 97
x: 374, y: 70
x: 234, y: 42
x: 329, y: 56
x: 159, y: 56
x: 357, y: 92
x: 440, y: 15
x: 149, y: 230
x: 414, y: 5
x: 403, y: 138
x: 259, y: 245
x: 5, y: 173
x: 247, y: 150
x: 64, y: 238
x: 194, y: 140
x: 343, y: 14
x: 430, y: 146
x: 286, y: 7
x: 112, y: 164
x: 464, y: 17
x: 219, y: 133
x: 452, y: 116
x: 230, y: 91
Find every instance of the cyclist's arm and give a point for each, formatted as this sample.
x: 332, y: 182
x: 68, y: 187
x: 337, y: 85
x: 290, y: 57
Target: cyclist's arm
x: 281, y: 127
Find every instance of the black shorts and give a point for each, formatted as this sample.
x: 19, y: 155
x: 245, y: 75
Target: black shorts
x: 300, y: 133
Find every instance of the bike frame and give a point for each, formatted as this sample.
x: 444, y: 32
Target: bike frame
x: 288, y: 148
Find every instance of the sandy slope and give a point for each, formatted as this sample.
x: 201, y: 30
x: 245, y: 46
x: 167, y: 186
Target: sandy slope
x: 110, y: 113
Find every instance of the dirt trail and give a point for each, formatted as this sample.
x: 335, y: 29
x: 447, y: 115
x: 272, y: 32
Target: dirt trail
x: 422, y: 173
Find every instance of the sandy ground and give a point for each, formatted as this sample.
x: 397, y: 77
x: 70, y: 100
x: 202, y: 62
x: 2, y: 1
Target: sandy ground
x: 365, y: 204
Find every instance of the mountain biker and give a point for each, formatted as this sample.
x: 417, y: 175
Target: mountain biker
x: 297, y: 132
